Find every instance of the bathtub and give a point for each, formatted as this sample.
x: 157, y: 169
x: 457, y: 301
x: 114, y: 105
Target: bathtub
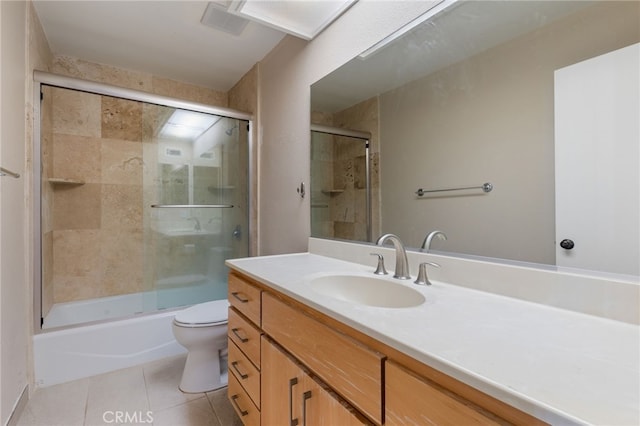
x: 108, y: 344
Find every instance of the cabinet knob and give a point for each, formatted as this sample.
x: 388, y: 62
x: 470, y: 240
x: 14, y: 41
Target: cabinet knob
x: 567, y: 244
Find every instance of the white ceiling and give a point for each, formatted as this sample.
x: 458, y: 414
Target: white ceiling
x: 165, y: 38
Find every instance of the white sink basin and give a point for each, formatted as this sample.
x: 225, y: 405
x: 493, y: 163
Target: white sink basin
x: 370, y: 291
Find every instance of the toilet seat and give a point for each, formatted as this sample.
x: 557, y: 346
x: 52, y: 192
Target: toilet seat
x: 204, y: 314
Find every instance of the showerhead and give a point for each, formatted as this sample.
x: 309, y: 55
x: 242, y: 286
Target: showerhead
x: 229, y: 131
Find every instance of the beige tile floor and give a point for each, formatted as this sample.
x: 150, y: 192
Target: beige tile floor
x: 148, y: 394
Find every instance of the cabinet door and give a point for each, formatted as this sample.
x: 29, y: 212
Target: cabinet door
x: 245, y: 297
x: 291, y: 397
x: 320, y: 408
x: 350, y: 368
x: 411, y: 400
x: 280, y: 382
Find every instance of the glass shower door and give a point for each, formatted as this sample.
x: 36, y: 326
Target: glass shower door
x: 104, y: 161
x: 197, y: 206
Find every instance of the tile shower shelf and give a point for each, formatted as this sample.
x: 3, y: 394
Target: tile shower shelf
x: 65, y: 182
x: 223, y: 187
x: 332, y: 191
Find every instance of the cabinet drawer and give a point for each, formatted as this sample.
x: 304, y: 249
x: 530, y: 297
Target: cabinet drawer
x: 248, y: 413
x: 351, y: 369
x: 245, y: 297
x: 245, y: 372
x: 245, y: 335
x: 411, y: 400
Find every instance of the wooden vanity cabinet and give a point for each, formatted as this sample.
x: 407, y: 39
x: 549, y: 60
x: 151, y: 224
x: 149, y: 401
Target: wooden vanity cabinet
x: 245, y: 297
x: 316, y: 370
x: 350, y: 368
x: 244, y: 348
x: 292, y: 397
x: 413, y: 400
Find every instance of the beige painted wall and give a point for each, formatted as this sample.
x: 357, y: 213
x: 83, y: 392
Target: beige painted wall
x: 500, y: 130
x: 24, y: 48
x: 284, y: 105
x: 14, y: 227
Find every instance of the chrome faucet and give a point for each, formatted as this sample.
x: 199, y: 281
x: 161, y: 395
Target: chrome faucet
x: 426, y: 244
x: 197, y: 225
x: 402, y: 265
x: 422, y: 273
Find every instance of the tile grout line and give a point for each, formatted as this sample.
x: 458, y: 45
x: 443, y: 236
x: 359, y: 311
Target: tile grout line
x: 215, y: 412
x: 86, y: 402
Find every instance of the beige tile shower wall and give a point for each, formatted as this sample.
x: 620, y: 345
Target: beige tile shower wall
x: 96, y: 244
x: 97, y: 225
x: 101, y: 73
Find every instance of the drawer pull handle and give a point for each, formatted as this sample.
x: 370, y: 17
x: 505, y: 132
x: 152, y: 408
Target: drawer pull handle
x: 292, y: 383
x: 242, y: 412
x: 242, y: 339
x: 234, y: 364
x: 236, y: 294
x: 305, y: 396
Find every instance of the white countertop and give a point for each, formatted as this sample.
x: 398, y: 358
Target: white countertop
x: 558, y: 365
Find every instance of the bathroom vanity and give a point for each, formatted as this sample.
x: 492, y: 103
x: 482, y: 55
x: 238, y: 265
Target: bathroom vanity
x: 462, y: 356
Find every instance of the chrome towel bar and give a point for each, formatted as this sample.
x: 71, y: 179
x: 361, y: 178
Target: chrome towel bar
x: 191, y: 206
x: 5, y: 172
x: 486, y: 187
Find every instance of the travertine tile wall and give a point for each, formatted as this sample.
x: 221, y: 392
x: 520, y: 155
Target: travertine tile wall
x: 97, y: 225
x: 93, y: 238
x: 346, y: 216
x: 362, y: 116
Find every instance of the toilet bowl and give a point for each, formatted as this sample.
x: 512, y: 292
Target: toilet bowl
x: 202, y: 330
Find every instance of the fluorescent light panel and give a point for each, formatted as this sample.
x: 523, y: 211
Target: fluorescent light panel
x: 303, y: 19
x: 187, y: 124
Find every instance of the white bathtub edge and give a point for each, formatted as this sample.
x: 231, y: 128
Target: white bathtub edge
x: 70, y: 354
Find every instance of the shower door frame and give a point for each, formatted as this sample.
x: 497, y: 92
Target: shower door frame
x: 42, y: 78
x: 366, y: 137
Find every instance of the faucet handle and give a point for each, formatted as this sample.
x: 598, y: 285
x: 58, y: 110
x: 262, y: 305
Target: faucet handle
x: 380, y: 270
x: 422, y: 273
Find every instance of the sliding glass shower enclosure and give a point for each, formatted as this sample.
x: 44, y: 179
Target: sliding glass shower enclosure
x: 143, y: 198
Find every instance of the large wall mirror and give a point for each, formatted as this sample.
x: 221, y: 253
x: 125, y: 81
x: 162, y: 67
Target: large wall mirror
x: 537, y: 98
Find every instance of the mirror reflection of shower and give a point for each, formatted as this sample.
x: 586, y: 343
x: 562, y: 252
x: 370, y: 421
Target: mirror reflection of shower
x: 230, y: 130
x: 341, y: 184
x: 106, y: 252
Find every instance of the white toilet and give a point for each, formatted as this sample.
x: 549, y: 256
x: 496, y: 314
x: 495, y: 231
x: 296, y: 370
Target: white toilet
x: 202, y: 329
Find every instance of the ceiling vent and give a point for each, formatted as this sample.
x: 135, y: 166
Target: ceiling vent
x: 217, y: 17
